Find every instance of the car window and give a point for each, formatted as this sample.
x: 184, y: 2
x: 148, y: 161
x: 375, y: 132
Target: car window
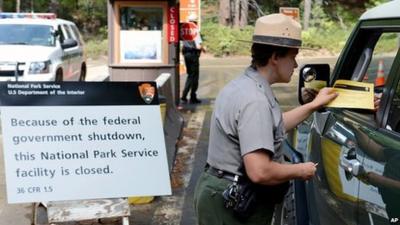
x: 78, y: 37
x: 61, y: 34
x: 26, y: 34
x: 67, y: 31
x: 394, y: 112
x: 381, y: 59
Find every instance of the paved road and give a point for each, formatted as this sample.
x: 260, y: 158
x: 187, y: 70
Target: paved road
x: 191, y: 155
x: 192, y: 151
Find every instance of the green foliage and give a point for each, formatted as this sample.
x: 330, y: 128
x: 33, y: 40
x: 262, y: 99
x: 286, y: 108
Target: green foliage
x: 269, y: 6
x: 90, y: 15
x: 388, y: 43
x: 333, y: 38
x: 95, y: 48
x: 224, y: 41
x: 318, y: 17
x: 348, y: 17
x: 372, y: 3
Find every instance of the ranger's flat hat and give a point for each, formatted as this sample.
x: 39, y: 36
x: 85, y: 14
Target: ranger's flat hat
x: 279, y: 30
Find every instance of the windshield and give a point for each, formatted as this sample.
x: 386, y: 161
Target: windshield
x: 26, y: 34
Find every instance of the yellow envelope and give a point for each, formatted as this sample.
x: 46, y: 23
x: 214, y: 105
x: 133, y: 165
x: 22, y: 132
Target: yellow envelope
x: 353, y: 94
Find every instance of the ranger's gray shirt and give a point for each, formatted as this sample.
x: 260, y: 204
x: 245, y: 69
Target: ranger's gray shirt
x: 246, y: 118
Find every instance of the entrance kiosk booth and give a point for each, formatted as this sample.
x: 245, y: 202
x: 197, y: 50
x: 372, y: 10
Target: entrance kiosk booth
x: 144, y: 41
x: 144, y: 46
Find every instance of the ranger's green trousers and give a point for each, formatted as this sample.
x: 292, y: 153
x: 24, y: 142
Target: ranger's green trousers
x: 210, y: 209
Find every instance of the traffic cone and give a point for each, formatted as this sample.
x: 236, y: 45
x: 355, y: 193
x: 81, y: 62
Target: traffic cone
x: 380, y: 75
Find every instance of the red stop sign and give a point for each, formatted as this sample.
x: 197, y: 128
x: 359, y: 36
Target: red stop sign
x: 188, y: 31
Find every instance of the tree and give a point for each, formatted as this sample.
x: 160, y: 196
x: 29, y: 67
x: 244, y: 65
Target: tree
x: 225, y: 17
x: 1, y: 5
x: 307, y: 13
x: 53, y: 6
x: 18, y: 6
x: 233, y: 13
x: 241, y: 14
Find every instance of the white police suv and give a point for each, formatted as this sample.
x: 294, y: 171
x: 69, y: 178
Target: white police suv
x: 40, y: 47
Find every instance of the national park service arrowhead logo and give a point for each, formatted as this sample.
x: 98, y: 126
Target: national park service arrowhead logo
x: 147, y: 91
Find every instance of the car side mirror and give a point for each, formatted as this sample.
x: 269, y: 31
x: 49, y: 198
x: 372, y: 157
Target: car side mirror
x: 55, y: 33
x: 312, y: 78
x: 69, y: 43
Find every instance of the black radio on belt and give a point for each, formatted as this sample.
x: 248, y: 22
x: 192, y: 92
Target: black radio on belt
x: 239, y: 197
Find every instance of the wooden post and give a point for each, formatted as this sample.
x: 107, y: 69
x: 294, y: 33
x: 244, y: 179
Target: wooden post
x: 80, y: 210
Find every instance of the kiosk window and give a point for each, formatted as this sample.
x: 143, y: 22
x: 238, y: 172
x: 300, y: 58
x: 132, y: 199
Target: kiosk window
x: 140, y: 18
x: 141, y: 34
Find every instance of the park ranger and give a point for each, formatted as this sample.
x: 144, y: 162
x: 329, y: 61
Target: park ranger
x: 245, y: 177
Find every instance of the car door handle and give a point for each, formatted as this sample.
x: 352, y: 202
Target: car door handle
x: 352, y: 166
x: 350, y: 163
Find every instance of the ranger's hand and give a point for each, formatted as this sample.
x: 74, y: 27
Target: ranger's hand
x: 307, y: 170
x: 203, y: 49
x: 325, y: 95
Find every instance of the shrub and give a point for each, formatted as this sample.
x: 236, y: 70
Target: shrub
x: 330, y: 37
x: 96, y: 48
x: 224, y: 41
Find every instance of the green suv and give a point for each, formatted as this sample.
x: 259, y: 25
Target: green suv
x: 358, y: 151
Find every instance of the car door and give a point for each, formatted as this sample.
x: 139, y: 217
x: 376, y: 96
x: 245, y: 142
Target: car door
x: 380, y: 190
x: 71, y: 55
x: 77, y: 57
x: 341, y: 141
x: 334, y: 191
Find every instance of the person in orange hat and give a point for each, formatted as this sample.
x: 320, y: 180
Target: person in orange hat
x: 245, y: 175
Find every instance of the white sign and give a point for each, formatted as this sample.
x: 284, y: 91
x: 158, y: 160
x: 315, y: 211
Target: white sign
x: 140, y: 46
x: 83, y: 152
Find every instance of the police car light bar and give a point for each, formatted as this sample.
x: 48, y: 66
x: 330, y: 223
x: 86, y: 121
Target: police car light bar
x: 50, y: 16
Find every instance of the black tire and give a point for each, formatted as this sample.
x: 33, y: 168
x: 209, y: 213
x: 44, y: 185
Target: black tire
x: 285, y: 212
x: 59, y: 76
x: 82, y: 77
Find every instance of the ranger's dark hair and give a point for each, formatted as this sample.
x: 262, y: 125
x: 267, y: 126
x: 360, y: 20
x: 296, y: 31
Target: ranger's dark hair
x: 261, y: 53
